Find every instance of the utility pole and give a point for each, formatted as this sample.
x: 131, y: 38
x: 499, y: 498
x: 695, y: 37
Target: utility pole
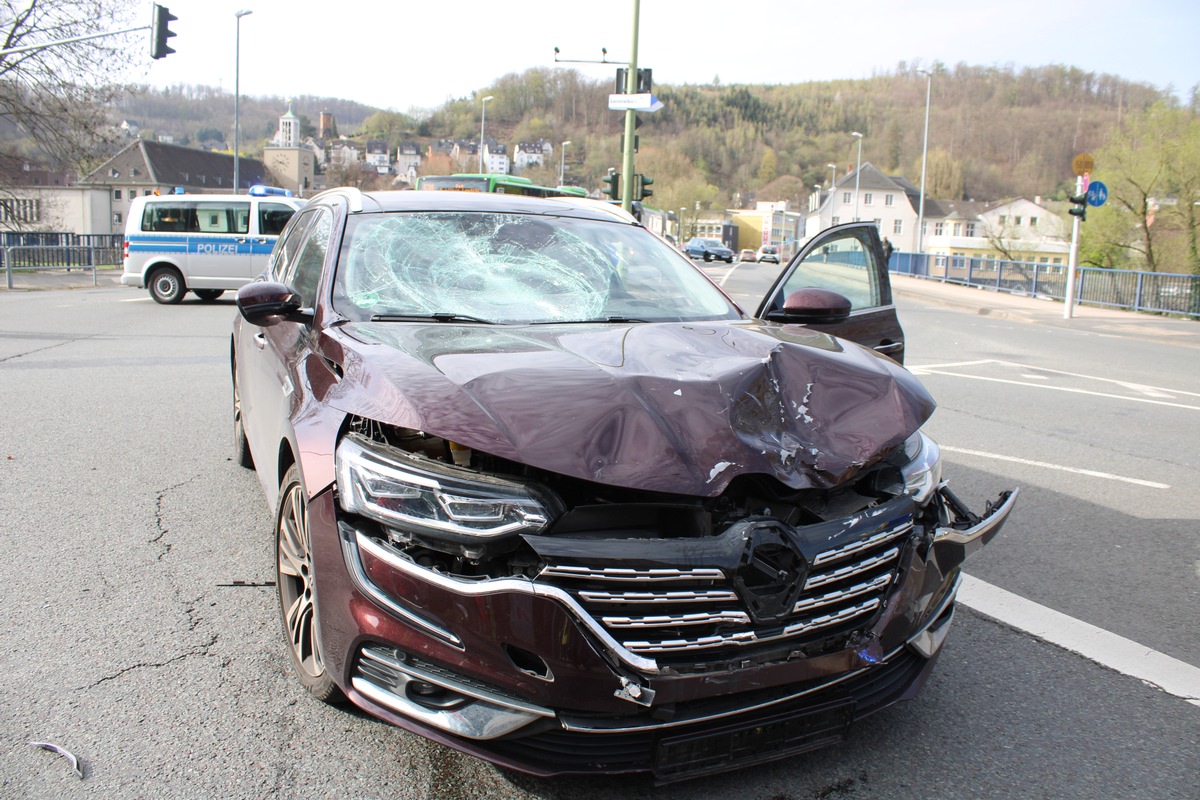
x: 631, y: 86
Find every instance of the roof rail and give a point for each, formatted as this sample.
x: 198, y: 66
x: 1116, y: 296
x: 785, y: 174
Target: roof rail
x: 353, y: 195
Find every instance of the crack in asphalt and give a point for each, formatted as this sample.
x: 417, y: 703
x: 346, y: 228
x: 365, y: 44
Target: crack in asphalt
x: 202, y: 650
x: 159, y: 523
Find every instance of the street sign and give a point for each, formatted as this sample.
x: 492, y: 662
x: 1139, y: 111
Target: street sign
x: 1097, y: 194
x: 1083, y: 163
x: 634, y: 102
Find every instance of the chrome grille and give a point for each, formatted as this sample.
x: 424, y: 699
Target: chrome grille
x: 696, y: 613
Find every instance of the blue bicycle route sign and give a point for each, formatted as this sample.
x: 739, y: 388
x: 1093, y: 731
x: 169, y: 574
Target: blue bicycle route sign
x: 1097, y: 193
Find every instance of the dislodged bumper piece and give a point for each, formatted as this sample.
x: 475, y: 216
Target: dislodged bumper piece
x: 954, y: 543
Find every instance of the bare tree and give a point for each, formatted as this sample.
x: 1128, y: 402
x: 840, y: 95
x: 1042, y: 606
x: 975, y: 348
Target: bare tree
x: 56, y: 95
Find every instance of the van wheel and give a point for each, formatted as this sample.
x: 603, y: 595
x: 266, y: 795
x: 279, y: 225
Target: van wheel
x: 208, y: 295
x: 166, y: 286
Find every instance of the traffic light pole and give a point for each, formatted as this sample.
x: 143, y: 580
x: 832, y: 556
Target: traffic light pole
x: 1073, y: 258
x: 631, y: 85
x: 31, y: 47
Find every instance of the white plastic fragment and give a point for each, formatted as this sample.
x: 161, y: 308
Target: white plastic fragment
x: 53, y: 748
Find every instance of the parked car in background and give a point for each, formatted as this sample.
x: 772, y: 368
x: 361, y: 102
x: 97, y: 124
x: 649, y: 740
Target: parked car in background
x: 544, y: 494
x: 768, y: 252
x: 708, y: 249
x: 747, y: 255
x: 203, y: 243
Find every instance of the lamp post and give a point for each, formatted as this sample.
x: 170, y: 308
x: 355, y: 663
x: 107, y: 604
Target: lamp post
x: 482, y: 124
x: 562, y: 164
x: 682, y: 211
x: 237, y: 97
x: 924, y: 154
x: 857, y: 170
x: 832, y: 176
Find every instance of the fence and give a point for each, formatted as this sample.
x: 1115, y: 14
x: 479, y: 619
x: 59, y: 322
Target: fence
x: 31, y: 252
x: 1154, y: 292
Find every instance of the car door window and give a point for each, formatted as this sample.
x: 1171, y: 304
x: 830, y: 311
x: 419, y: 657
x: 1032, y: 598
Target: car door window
x: 304, y: 272
x: 845, y: 263
x: 286, y: 249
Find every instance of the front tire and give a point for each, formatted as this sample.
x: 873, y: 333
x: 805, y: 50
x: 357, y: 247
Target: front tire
x: 297, y: 596
x: 166, y: 286
x: 708, y: 257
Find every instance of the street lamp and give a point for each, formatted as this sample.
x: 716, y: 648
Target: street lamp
x: 857, y: 170
x: 832, y: 176
x: 924, y: 153
x: 482, y: 122
x: 237, y: 96
x: 682, y: 211
x: 562, y: 164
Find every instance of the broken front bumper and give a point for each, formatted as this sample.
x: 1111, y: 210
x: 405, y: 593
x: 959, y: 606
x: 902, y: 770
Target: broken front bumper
x: 533, y: 674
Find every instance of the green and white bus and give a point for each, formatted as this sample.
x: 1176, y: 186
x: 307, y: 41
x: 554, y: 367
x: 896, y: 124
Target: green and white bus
x: 499, y: 184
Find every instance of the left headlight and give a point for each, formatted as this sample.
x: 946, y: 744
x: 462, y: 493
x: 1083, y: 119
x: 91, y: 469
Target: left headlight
x: 427, y: 497
x: 922, y: 469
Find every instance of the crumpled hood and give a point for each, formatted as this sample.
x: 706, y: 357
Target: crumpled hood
x: 670, y: 407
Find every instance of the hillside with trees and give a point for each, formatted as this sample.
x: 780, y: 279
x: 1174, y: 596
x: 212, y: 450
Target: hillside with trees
x: 994, y: 133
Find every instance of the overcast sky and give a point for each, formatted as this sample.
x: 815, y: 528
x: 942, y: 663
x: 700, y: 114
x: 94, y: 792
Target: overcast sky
x: 405, y: 55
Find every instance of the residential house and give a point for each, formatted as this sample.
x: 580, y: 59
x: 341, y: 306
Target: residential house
x: 495, y: 158
x: 529, y: 154
x: 378, y: 157
x: 1010, y: 230
x: 891, y: 201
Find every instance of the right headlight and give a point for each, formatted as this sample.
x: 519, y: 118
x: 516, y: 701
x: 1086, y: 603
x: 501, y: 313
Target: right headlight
x: 428, y: 497
x: 922, y: 469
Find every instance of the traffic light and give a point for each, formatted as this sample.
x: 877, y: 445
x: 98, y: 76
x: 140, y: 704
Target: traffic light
x: 1078, y: 207
x: 613, y: 179
x: 160, y: 33
x: 641, y: 186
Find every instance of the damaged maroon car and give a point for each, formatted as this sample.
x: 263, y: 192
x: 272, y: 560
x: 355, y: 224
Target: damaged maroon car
x: 546, y: 495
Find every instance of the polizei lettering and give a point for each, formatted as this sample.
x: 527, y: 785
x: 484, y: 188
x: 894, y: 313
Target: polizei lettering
x: 217, y: 249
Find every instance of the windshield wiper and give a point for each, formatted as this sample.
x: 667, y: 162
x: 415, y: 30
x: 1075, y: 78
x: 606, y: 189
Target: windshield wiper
x: 596, y: 321
x: 439, y: 316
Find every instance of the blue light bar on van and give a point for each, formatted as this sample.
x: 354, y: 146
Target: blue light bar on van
x: 258, y: 190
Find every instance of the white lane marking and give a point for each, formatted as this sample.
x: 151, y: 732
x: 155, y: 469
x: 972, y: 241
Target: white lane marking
x: 955, y: 364
x: 136, y: 300
x: 927, y: 371
x: 1156, y: 391
x: 1046, y: 465
x: 728, y: 272
x: 1096, y: 644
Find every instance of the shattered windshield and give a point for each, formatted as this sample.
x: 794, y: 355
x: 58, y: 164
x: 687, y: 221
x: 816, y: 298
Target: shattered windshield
x: 515, y: 268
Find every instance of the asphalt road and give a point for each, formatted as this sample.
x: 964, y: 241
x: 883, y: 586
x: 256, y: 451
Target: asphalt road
x: 140, y: 637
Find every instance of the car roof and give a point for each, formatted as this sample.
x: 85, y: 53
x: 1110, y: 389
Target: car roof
x: 380, y: 202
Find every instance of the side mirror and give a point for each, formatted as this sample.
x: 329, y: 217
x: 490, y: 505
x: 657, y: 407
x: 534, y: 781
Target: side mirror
x: 265, y: 303
x: 813, y: 306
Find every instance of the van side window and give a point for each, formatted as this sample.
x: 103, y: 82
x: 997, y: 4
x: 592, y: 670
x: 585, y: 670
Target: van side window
x: 272, y: 217
x: 169, y: 218
x: 222, y: 218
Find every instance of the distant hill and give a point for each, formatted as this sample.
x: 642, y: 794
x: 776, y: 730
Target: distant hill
x: 994, y: 131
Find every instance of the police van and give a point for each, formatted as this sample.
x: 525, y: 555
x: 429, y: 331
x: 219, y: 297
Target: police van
x: 203, y: 243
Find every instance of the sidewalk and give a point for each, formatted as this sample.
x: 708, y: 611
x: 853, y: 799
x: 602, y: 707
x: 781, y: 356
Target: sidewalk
x: 1022, y: 308
x: 37, y: 280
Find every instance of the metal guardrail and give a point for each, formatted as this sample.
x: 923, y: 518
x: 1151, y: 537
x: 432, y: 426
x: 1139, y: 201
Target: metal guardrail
x: 34, y: 258
x: 1152, y: 292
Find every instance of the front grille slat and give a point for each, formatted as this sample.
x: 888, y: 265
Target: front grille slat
x: 695, y: 614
